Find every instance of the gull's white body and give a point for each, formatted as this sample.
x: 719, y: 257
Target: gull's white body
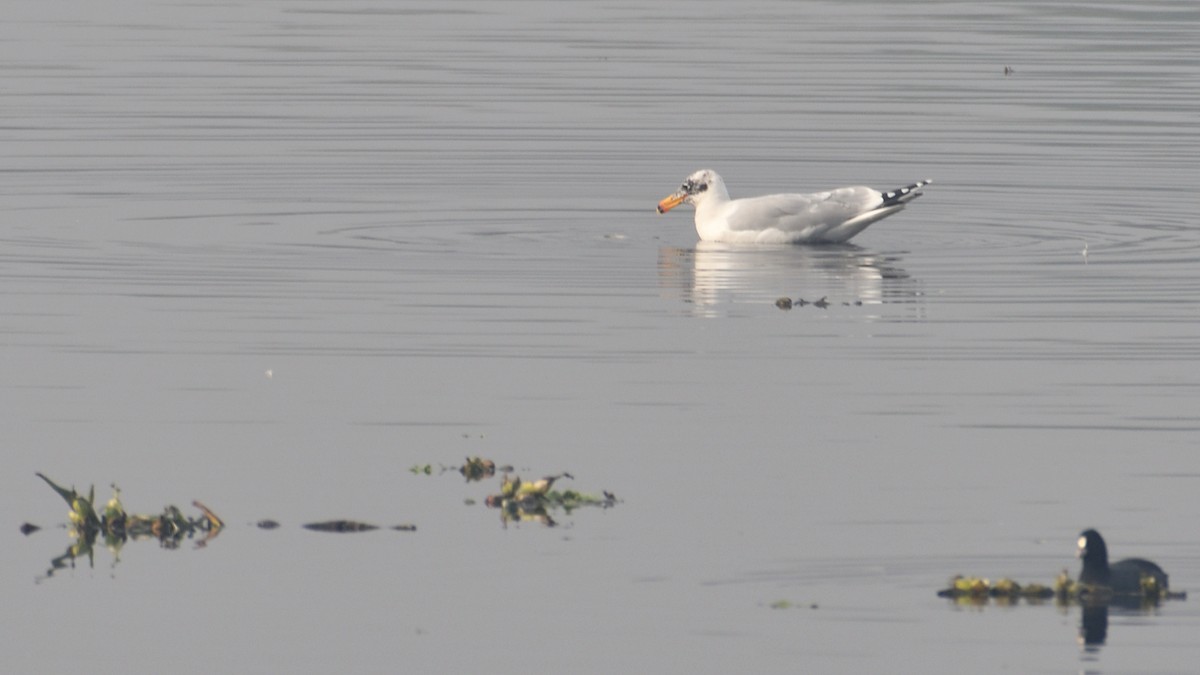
x: 833, y: 216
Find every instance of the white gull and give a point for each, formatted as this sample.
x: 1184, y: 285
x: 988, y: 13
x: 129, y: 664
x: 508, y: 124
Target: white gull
x: 827, y: 217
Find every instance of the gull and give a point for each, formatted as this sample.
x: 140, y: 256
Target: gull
x: 829, y: 217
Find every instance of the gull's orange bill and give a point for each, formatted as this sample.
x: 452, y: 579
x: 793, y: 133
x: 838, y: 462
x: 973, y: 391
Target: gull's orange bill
x: 671, y: 202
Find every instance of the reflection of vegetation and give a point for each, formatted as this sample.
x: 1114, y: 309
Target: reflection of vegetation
x: 978, y: 591
x: 117, y: 526
x: 532, y: 501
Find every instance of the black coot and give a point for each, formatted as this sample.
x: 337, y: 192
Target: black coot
x: 1123, y: 577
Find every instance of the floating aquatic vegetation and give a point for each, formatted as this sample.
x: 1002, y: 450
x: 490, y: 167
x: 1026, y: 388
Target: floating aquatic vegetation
x: 1064, y: 586
x: 977, y: 590
x: 169, y: 528
x: 532, y: 501
x: 474, y: 469
x: 1064, y: 590
x: 1151, y: 592
x: 477, y: 469
x: 115, y: 522
x: 118, y: 527
x: 512, y: 486
x: 786, y: 303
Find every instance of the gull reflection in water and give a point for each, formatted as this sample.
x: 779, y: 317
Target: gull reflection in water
x: 713, y: 278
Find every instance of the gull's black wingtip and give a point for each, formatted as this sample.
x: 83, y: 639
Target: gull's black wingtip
x: 905, y: 194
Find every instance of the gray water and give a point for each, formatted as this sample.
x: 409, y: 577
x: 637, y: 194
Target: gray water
x: 270, y: 255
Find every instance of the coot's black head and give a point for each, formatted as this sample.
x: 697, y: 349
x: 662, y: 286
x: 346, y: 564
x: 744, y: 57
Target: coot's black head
x: 1091, y: 547
x: 1094, y: 555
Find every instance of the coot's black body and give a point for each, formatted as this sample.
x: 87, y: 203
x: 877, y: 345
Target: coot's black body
x: 1120, y: 578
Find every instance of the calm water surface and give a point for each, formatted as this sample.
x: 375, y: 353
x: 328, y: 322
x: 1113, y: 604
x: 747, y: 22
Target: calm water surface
x: 433, y: 225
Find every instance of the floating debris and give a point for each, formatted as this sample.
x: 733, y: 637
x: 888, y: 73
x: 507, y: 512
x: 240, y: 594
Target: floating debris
x: 474, y: 469
x: 532, y: 501
x: 823, y: 303
x: 978, y: 590
x: 213, y: 521
x: 118, y: 527
x: 513, y: 487
x: 977, y: 587
x: 117, y: 523
x: 341, y: 526
x: 1064, y: 586
x: 169, y: 528
x: 477, y: 469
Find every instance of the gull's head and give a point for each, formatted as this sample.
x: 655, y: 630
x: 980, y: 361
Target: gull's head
x: 695, y: 189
